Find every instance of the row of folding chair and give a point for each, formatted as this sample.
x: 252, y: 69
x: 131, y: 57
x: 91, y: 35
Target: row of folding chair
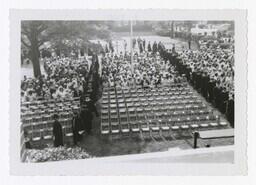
x: 41, y: 113
x: 157, y: 127
x: 46, y: 117
x: 159, y: 112
x: 51, y: 105
x: 45, y: 128
x: 157, y: 98
x: 172, y: 85
x: 157, y: 108
x: 152, y: 94
x: 44, y: 124
x: 51, y: 101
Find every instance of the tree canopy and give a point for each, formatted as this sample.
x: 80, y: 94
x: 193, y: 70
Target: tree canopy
x: 59, y: 36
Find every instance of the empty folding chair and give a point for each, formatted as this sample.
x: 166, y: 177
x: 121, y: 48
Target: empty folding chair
x: 47, y: 134
x: 204, y: 125
x: 223, y: 124
x: 145, y: 129
x: 140, y: 114
x: 105, y: 101
x: 68, y: 132
x: 36, y: 137
x: 132, y: 115
x: 130, y: 104
x: 105, y: 129
x: 37, y: 119
x: 135, y: 129
x: 154, y: 127
x: 184, y: 129
x: 125, y: 128
x: 175, y: 128
x: 213, y: 124
x: 115, y: 127
x: 164, y: 128
x: 194, y: 126
x: 120, y: 100
x: 113, y: 106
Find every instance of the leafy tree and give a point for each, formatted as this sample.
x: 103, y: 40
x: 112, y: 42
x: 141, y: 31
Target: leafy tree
x: 62, y: 36
x: 33, y: 37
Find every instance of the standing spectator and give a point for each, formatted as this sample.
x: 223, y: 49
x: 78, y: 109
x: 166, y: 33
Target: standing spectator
x: 154, y: 47
x: 144, y: 44
x: 149, y: 47
x: 125, y: 46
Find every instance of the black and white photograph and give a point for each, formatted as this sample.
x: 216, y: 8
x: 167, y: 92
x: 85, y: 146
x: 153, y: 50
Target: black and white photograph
x: 105, y: 88
x: 133, y: 90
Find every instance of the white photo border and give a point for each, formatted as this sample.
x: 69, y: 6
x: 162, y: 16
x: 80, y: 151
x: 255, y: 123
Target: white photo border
x: 101, y: 166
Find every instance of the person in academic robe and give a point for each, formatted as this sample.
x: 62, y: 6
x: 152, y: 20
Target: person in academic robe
x: 210, y: 88
x: 57, y: 132
x: 76, y: 122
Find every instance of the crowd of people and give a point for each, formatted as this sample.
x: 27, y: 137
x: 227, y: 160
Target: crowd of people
x: 217, y: 43
x: 64, y: 78
x: 211, y: 72
x: 147, y: 69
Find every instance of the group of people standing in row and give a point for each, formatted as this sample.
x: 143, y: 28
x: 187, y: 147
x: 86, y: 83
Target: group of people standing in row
x: 210, y: 72
x: 141, y: 43
x: 138, y: 44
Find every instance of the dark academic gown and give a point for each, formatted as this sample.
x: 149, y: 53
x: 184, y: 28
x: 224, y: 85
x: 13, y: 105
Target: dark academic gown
x: 211, y: 86
x: 75, y: 128
x: 57, y: 132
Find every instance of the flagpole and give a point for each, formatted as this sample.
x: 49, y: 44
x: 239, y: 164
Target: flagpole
x: 131, y: 45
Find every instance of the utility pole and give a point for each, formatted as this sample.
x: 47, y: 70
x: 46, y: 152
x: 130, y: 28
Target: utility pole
x: 131, y: 45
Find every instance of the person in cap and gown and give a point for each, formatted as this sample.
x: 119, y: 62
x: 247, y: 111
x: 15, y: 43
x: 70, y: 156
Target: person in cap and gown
x: 57, y: 132
x: 76, y: 122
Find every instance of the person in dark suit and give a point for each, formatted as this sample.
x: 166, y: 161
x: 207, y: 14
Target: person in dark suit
x: 57, y: 132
